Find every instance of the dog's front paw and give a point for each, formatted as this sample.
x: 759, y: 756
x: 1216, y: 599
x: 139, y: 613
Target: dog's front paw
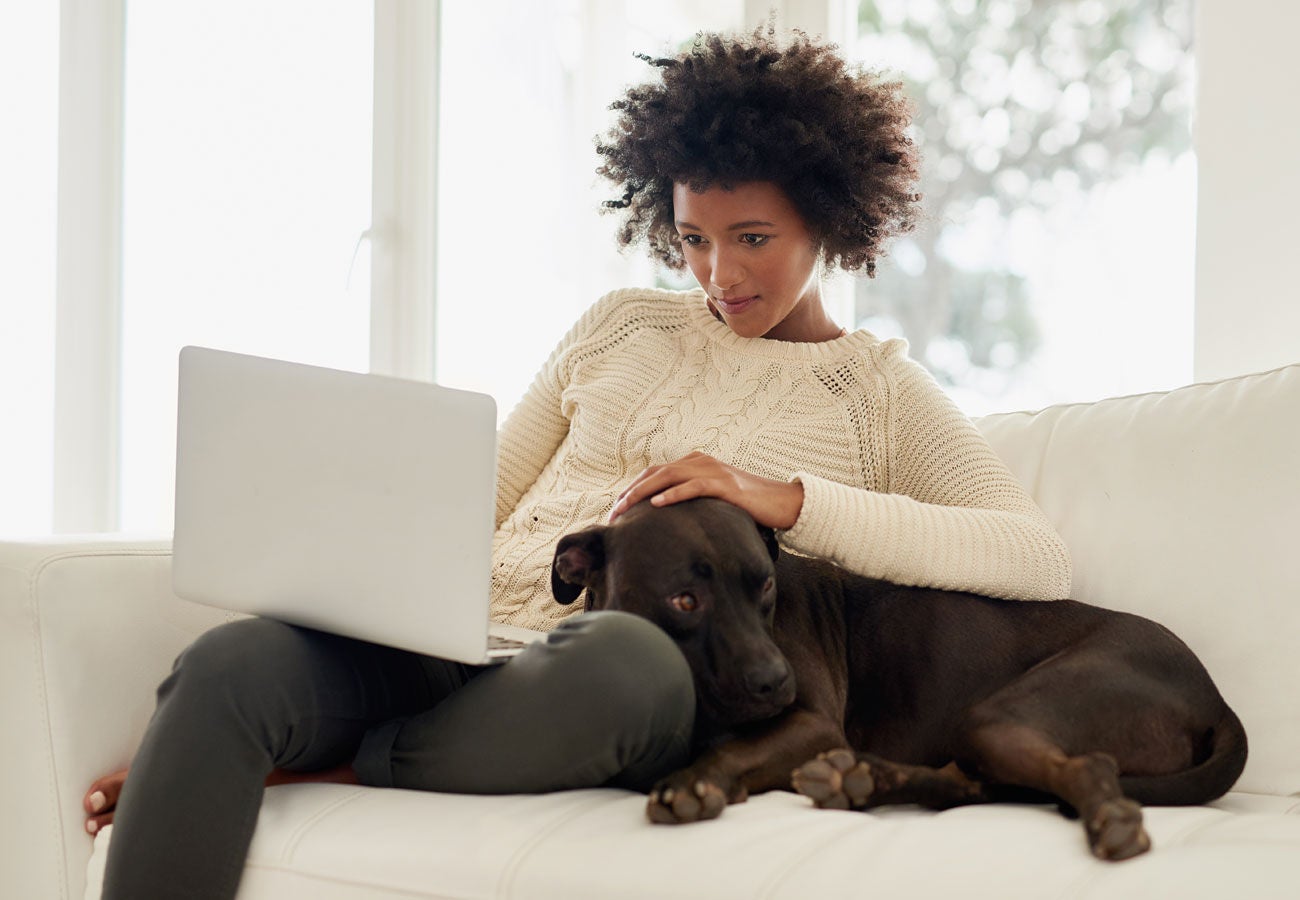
x: 836, y: 780
x: 685, y: 797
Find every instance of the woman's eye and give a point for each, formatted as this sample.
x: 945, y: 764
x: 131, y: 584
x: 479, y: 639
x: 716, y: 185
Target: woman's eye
x: 754, y: 240
x: 691, y: 240
x: 683, y: 602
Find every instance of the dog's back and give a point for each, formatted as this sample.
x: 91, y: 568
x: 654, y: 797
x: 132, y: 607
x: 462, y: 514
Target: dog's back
x: 917, y: 661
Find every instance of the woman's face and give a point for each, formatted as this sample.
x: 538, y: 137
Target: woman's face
x: 750, y: 250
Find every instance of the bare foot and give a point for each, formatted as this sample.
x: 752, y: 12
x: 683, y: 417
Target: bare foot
x: 100, y: 802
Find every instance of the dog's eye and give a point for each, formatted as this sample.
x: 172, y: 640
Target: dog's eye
x: 770, y: 585
x: 683, y: 602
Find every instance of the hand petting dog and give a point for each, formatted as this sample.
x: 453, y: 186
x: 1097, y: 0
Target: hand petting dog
x: 771, y: 503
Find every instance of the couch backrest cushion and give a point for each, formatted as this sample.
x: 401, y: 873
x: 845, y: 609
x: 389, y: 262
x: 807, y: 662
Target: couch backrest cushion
x: 1184, y: 507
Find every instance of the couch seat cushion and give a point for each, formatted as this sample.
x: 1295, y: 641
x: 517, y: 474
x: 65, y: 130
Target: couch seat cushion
x: 333, y: 841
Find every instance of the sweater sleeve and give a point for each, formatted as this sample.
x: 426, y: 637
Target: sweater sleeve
x: 537, y: 426
x: 953, y: 516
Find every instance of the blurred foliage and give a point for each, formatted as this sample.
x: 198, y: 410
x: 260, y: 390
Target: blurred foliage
x: 1020, y: 104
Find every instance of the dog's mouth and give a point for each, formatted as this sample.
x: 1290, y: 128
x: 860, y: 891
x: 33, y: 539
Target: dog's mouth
x: 739, y: 706
x: 735, y: 714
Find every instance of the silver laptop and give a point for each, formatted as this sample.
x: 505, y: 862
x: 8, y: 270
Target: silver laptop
x: 356, y: 504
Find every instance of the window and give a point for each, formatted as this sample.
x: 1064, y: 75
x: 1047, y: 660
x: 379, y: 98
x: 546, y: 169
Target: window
x: 248, y: 185
x: 1056, y: 260
x: 29, y: 104
x: 246, y: 191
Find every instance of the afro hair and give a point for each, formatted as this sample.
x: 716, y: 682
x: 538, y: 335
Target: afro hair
x: 730, y: 110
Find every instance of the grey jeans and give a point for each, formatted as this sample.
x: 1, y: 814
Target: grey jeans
x: 607, y: 699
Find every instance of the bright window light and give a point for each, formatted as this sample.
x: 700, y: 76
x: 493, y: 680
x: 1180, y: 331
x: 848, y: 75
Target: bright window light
x: 29, y: 111
x: 246, y: 191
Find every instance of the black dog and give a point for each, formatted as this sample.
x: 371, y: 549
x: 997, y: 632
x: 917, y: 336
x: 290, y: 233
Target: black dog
x: 947, y: 698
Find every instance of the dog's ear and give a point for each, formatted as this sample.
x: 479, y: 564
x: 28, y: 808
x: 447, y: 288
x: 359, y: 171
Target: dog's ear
x: 579, y: 557
x: 769, y: 538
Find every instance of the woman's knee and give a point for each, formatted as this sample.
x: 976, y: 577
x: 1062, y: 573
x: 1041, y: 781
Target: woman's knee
x: 235, y: 658
x: 607, y: 698
x: 626, y: 658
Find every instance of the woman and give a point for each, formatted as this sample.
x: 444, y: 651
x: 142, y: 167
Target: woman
x: 755, y: 165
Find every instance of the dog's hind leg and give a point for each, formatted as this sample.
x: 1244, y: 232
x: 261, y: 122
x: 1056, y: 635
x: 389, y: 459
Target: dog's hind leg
x: 842, y: 779
x: 1009, y: 752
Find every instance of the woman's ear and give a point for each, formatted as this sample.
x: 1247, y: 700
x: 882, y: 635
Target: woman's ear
x: 579, y: 557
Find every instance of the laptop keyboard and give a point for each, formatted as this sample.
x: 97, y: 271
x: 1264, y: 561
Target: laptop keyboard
x: 497, y: 642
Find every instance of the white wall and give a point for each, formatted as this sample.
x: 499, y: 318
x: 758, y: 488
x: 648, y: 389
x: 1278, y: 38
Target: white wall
x: 1248, y: 146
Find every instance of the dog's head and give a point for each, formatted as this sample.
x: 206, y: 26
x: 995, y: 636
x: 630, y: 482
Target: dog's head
x: 703, y: 572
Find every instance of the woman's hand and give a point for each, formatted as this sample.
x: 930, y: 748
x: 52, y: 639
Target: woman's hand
x: 775, y: 504
x: 100, y: 801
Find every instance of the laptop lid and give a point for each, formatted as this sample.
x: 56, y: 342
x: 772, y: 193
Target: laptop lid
x: 356, y: 504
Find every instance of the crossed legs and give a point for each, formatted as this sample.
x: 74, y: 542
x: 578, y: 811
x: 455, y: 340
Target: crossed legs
x: 607, y: 699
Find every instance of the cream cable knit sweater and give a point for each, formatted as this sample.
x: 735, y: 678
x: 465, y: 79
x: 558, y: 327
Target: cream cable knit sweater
x: 898, y: 484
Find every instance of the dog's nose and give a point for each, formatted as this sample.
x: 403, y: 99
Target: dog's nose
x: 767, y: 678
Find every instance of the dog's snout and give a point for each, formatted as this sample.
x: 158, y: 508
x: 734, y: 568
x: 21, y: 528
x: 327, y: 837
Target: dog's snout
x: 768, y: 678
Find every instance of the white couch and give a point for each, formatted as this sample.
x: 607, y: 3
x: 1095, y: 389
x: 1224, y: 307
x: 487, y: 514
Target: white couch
x: 1183, y: 506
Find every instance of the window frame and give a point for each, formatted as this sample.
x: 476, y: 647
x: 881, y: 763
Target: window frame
x: 88, y: 294
x: 88, y: 276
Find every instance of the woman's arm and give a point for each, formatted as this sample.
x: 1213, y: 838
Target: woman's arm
x: 954, y: 516
x: 949, y: 515
x: 528, y: 438
x: 535, y: 428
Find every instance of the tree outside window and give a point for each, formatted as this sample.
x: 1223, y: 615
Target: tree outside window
x: 1034, y: 118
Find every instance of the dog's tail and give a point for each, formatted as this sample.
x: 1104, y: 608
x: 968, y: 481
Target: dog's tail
x: 1209, y: 779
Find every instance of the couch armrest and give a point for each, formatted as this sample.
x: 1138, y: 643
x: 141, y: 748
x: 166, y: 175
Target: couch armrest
x: 88, y: 628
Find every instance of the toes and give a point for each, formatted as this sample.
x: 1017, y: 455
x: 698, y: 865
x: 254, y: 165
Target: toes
x: 96, y: 801
x: 676, y: 805
x: 660, y: 808
x: 96, y: 824
x: 103, y: 793
x: 859, y: 784
x: 822, y: 783
x: 713, y: 800
x: 835, y: 780
x: 100, y: 801
x: 1115, y: 831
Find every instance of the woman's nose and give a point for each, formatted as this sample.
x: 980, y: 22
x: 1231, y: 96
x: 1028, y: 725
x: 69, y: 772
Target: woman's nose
x: 727, y: 272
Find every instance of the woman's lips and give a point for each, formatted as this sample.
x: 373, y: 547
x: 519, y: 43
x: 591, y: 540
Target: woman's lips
x: 734, y: 305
